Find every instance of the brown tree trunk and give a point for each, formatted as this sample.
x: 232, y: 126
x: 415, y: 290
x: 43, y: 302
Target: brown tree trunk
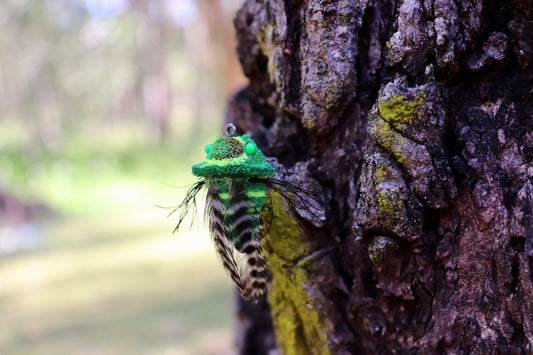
x: 413, y: 121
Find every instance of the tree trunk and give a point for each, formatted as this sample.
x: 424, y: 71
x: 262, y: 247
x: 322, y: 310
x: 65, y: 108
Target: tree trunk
x: 412, y: 120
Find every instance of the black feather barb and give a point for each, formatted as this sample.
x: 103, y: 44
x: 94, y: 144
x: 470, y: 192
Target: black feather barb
x: 188, y: 203
x: 301, y: 202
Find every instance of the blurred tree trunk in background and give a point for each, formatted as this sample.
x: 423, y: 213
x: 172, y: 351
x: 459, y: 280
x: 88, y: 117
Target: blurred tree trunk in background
x: 212, y: 43
x: 414, y: 118
x: 153, y: 78
x: 222, y: 42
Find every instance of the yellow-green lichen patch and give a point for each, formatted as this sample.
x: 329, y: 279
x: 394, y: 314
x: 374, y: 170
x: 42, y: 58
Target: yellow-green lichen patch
x: 332, y: 96
x: 382, y: 173
x: 344, y: 19
x: 397, y: 110
x: 388, y: 139
x: 389, y: 202
x: 283, y: 235
x: 331, y: 104
x: 299, y: 327
x: 309, y: 121
x: 387, y: 195
x: 265, y: 37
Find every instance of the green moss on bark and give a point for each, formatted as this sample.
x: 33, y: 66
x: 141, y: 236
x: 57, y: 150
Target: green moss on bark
x: 388, y: 139
x: 299, y: 327
x: 396, y: 109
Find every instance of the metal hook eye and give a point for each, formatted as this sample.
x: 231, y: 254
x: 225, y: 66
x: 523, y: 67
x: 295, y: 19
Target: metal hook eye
x: 230, y: 130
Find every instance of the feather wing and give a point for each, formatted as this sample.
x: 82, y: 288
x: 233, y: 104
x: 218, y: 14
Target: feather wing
x: 216, y: 217
x: 188, y: 203
x: 245, y: 227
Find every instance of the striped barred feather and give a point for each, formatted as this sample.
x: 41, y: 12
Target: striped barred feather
x: 244, y: 224
x: 255, y: 273
x: 215, y: 214
x: 235, y: 225
x: 242, y: 214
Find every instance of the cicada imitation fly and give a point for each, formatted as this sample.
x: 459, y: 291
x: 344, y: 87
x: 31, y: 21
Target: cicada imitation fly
x: 237, y: 178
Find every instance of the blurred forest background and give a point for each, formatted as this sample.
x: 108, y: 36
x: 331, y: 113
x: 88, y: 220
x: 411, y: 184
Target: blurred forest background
x: 104, y: 106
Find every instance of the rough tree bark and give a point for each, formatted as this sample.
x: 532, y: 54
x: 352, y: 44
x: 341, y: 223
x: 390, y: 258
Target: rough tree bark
x: 413, y: 121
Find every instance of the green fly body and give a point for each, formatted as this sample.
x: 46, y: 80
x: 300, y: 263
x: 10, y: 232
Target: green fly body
x: 235, y: 175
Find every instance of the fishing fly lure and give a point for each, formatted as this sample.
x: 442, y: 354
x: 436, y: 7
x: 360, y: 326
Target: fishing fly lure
x: 235, y: 175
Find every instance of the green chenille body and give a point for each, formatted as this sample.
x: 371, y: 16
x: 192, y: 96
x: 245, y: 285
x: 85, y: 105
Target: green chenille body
x: 232, y: 158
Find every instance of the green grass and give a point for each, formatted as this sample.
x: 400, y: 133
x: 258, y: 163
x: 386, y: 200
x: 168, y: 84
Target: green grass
x: 104, y: 288
x: 108, y: 277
